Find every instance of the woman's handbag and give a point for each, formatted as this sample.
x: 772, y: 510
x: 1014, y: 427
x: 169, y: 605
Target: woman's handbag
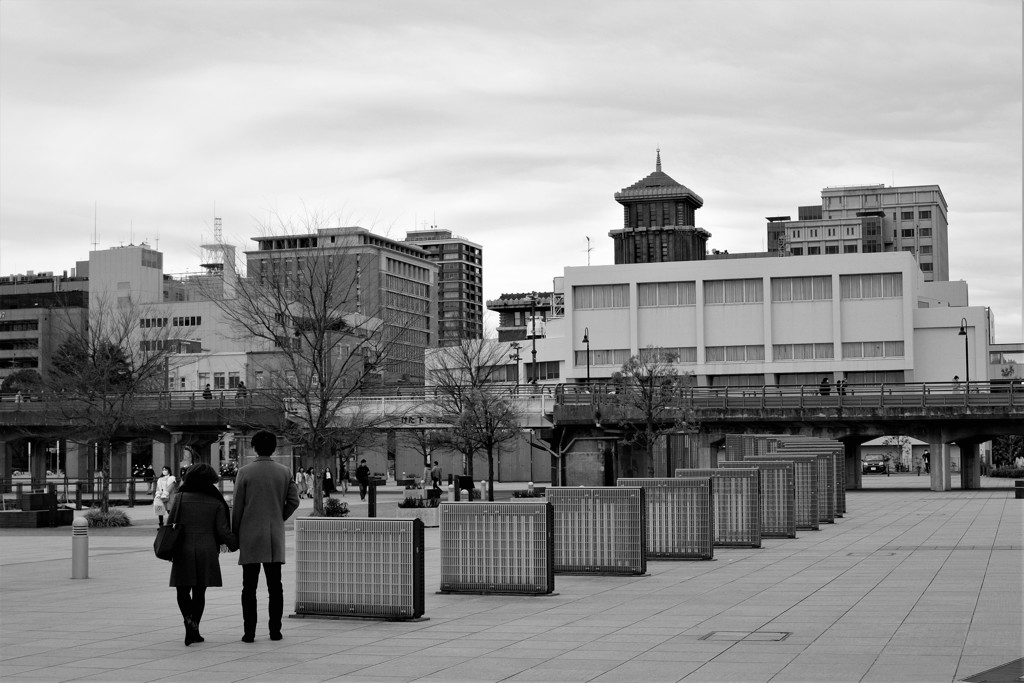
x: 168, y: 536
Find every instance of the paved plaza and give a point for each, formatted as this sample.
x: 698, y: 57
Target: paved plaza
x: 910, y: 585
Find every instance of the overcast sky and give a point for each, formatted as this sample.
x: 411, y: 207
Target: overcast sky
x: 511, y: 123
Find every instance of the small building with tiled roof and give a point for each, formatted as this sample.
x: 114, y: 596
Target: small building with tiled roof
x: 658, y: 221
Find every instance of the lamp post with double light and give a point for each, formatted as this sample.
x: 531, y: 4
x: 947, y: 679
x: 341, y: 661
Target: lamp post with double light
x: 586, y: 340
x: 967, y: 351
x: 533, y: 336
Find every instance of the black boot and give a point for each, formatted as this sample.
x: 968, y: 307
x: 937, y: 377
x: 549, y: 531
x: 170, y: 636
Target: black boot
x: 191, y: 634
x: 195, y: 630
x: 248, y: 618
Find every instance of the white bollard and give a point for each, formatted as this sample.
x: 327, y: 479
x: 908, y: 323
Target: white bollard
x: 80, y: 548
x: 529, y: 487
x: 451, y: 492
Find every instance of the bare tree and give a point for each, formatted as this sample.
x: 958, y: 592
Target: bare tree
x: 468, y: 394
x: 103, y: 378
x: 322, y: 333
x: 652, y: 395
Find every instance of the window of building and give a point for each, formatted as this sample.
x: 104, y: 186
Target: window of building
x: 871, y: 286
x: 925, y: 232
x: 600, y: 296
x: 678, y: 354
x: 811, y: 251
x: 667, y: 294
x: 907, y: 215
x: 832, y: 249
x: 873, y: 349
x: 602, y: 357
x: 746, y: 291
x: 810, y: 288
x: 924, y: 215
x: 204, y: 379
x: 801, y: 351
x: 907, y: 232
x: 849, y: 248
x: 233, y: 380
x: 218, y: 380
x: 926, y: 249
x: 926, y: 267
x: 797, y: 251
x: 545, y: 370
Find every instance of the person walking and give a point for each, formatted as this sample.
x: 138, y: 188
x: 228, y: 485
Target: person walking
x: 826, y: 388
x: 363, y: 478
x: 308, y: 478
x: 265, y: 496
x: 207, y: 393
x: 165, y: 488
x: 203, y: 514
x: 435, y: 476
x: 300, y: 483
x: 328, y: 482
x: 343, y: 478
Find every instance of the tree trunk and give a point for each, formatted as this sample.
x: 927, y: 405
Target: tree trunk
x: 490, y: 473
x: 105, y: 476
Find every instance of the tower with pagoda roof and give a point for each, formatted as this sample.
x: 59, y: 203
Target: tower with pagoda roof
x: 658, y: 221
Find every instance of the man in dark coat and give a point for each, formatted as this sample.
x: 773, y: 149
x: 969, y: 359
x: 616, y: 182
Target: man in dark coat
x: 363, y: 477
x: 265, y: 496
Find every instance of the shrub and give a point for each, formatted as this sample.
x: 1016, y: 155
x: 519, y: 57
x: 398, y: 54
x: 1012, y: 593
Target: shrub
x: 1008, y: 471
x: 335, y: 508
x: 112, y: 518
x: 414, y: 503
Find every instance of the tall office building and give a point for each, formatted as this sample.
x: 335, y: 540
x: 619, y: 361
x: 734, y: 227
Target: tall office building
x: 460, y: 277
x: 382, y: 278
x: 658, y: 222
x: 870, y: 219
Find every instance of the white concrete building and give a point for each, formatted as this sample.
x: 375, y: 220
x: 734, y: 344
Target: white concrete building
x: 865, y: 318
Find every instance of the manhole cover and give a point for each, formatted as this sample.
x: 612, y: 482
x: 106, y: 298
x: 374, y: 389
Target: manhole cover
x: 736, y: 636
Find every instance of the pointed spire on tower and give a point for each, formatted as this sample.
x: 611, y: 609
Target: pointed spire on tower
x: 657, y: 164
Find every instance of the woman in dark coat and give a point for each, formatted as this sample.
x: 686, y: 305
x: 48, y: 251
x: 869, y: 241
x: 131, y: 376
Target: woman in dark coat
x: 206, y: 531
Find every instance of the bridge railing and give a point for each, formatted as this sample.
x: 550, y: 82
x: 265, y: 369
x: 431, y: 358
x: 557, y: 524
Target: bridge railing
x: 881, y: 395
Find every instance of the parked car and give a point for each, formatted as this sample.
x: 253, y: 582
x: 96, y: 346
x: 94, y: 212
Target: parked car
x: 874, y: 463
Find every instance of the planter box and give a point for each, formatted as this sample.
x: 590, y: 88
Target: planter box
x: 428, y: 516
x: 34, y: 519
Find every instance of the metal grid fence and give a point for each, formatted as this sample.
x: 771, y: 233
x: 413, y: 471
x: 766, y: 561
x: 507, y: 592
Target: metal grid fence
x: 680, y: 521
x: 599, y: 530
x: 737, y: 507
x: 778, y: 496
x: 497, y: 547
x: 359, y: 567
x: 805, y: 472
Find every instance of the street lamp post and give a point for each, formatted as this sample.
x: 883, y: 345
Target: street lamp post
x: 586, y: 340
x: 967, y: 352
x: 515, y: 357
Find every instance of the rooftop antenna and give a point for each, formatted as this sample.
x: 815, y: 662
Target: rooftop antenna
x: 589, y: 249
x: 95, y: 236
x: 657, y: 163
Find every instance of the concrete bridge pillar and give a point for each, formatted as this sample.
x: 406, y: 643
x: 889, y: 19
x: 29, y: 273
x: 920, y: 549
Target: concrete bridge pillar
x: 706, y: 450
x: 76, y: 459
x: 6, y: 461
x: 970, y: 465
x: 37, y: 458
x: 851, y: 461
x: 939, y: 464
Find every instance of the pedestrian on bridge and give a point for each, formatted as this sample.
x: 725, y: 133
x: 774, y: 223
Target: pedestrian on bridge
x: 826, y: 387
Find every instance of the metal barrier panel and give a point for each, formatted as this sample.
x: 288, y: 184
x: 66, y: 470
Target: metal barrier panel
x: 805, y: 473
x: 680, y: 518
x: 826, y: 489
x: 497, y: 547
x: 778, y: 496
x: 359, y: 567
x: 599, y: 530
x: 737, y: 507
x: 839, y: 467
